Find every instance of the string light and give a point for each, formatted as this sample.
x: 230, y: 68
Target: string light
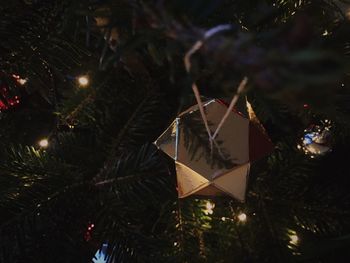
x: 293, y: 238
x: 87, y: 235
x: 209, y: 206
x: 19, y: 79
x: 44, y: 143
x: 83, y: 81
x: 242, y: 217
x: 22, y: 81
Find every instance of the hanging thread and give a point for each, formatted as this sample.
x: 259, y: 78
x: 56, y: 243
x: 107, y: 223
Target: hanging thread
x: 187, y: 60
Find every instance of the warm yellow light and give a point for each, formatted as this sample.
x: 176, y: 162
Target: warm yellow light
x: 19, y: 79
x: 44, y: 143
x: 209, y: 208
x: 22, y: 81
x: 242, y: 217
x: 209, y: 205
x: 83, y: 81
x: 294, y: 239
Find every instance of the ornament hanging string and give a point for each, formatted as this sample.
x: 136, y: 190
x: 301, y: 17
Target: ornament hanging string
x: 187, y: 60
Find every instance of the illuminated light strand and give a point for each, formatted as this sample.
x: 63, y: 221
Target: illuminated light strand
x: 83, y: 81
x: 44, y: 143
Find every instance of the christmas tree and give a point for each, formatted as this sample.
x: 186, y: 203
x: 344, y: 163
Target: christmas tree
x: 87, y: 88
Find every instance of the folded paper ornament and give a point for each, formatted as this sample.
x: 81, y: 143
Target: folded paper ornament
x: 223, y: 167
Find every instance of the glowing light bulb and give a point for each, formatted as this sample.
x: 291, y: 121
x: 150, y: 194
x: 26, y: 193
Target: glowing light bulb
x: 294, y: 239
x: 83, y: 81
x: 209, y: 206
x: 22, y: 81
x: 242, y: 217
x: 44, y: 143
x: 19, y: 79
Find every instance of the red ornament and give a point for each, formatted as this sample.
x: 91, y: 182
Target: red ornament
x: 7, y: 98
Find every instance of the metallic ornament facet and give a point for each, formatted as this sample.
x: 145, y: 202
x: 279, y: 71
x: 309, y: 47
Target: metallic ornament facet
x: 316, y: 139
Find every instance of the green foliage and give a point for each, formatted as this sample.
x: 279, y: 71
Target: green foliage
x: 100, y: 166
